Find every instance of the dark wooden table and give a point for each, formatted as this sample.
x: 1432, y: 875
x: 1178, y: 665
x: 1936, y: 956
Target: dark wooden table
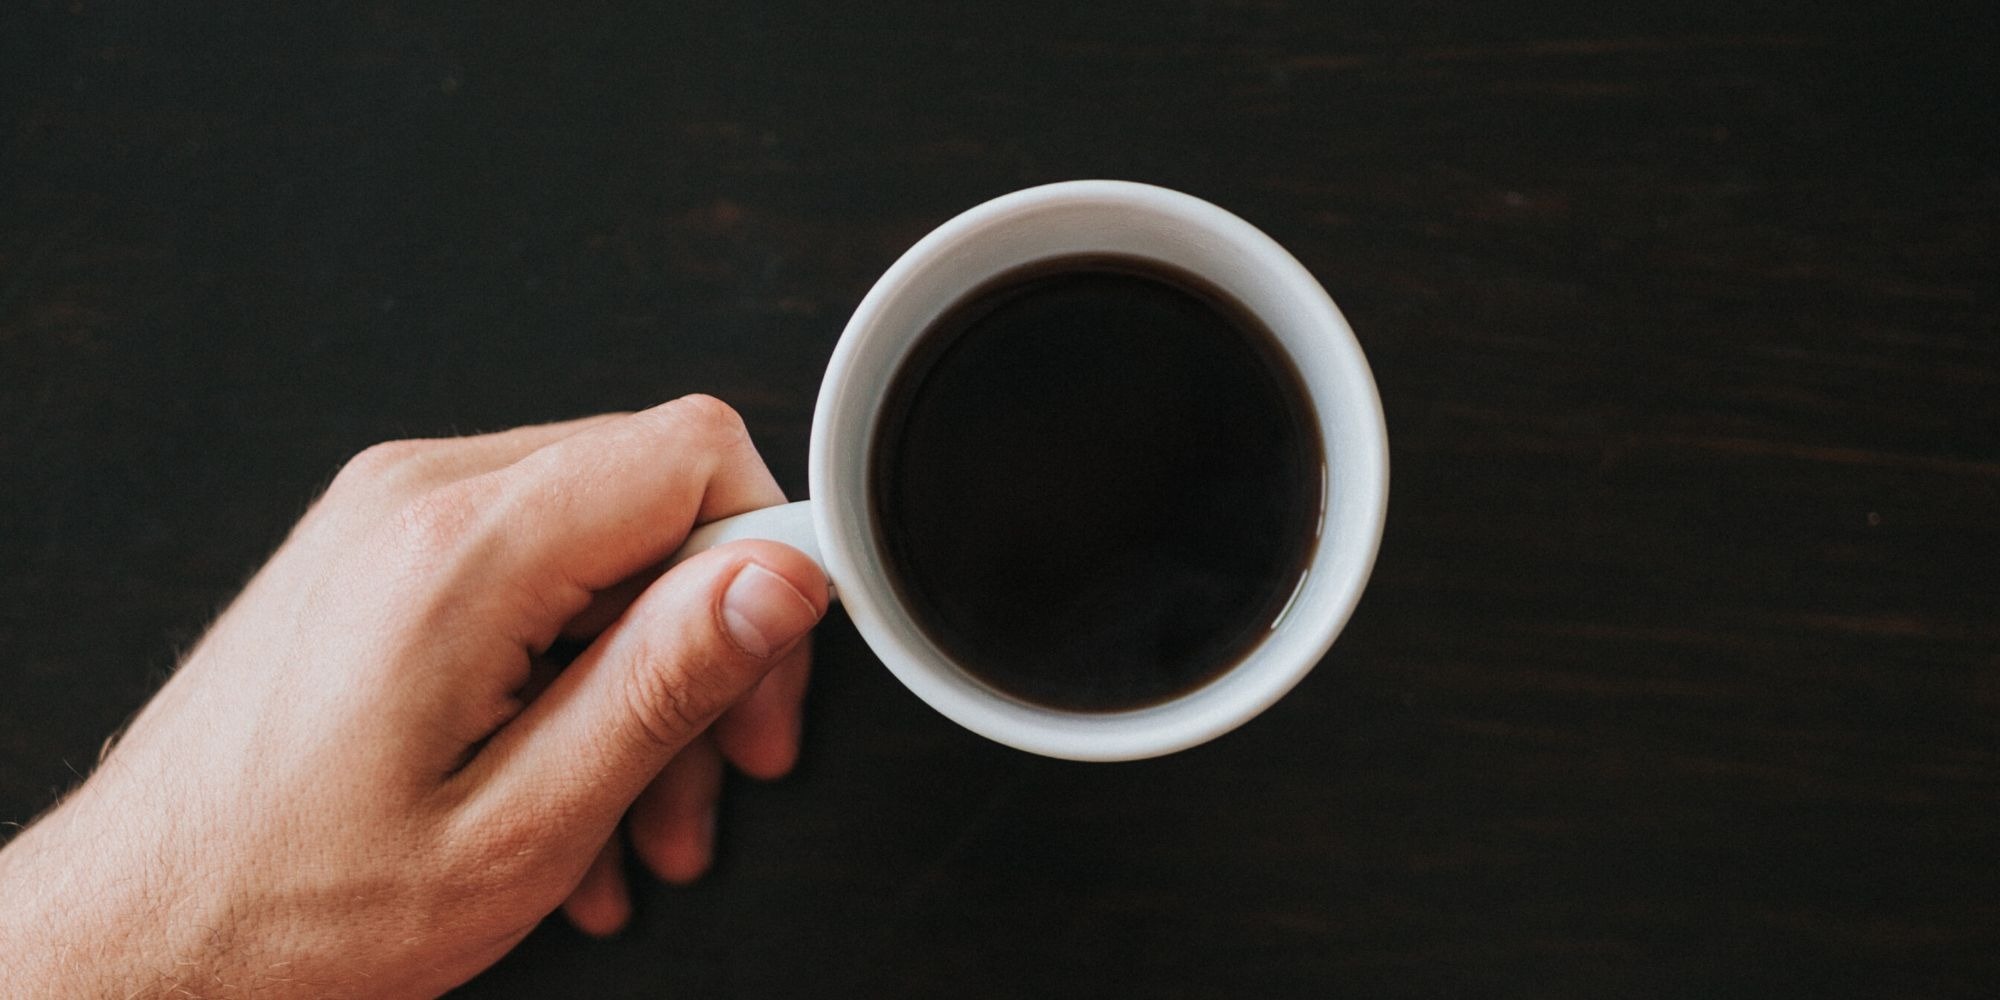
x: 1678, y: 675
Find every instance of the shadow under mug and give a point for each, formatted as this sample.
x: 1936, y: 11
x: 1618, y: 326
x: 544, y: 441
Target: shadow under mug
x: 1058, y: 220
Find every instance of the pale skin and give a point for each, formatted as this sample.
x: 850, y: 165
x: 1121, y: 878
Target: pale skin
x: 366, y: 781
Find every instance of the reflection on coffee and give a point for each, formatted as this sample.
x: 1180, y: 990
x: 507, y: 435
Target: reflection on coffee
x: 1097, y: 480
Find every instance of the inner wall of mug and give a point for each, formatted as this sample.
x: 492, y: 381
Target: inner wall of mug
x: 1142, y: 221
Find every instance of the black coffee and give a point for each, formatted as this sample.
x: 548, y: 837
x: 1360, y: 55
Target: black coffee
x: 1098, y: 480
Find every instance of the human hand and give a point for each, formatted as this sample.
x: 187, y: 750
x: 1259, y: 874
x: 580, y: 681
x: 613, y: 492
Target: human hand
x: 365, y: 781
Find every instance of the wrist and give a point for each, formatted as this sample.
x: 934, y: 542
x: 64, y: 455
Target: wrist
x: 78, y: 920
x: 38, y: 932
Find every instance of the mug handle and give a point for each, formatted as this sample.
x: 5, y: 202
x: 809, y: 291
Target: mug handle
x: 790, y: 523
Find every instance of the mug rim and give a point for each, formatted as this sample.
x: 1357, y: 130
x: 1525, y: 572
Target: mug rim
x: 843, y: 427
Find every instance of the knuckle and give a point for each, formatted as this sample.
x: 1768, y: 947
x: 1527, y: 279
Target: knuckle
x: 708, y: 416
x: 386, y: 464
x: 435, y: 519
x: 666, y: 702
x: 382, y: 457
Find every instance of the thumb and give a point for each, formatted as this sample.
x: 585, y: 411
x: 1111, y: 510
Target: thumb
x: 697, y: 640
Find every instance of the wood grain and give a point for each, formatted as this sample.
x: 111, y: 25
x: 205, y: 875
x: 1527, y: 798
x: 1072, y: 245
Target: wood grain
x: 1678, y: 675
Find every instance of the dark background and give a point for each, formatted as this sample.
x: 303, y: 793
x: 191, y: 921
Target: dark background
x: 1678, y: 674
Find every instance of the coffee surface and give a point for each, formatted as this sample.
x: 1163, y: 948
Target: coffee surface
x: 1098, y: 481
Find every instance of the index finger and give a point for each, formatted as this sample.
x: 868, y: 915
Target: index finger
x: 593, y: 508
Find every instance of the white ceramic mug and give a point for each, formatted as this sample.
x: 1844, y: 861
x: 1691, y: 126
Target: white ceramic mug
x: 1057, y: 220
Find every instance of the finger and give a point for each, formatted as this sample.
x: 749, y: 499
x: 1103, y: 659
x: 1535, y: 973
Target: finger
x: 694, y: 643
x: 464, y: 457
x: 760, y: 734
x: 599, y: 506
x: 396, y: 468
x: 601, y: 904
x: 673, y: 822
x: 606, y: 605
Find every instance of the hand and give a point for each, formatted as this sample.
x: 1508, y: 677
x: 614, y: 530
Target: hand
x: 364, y: 781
